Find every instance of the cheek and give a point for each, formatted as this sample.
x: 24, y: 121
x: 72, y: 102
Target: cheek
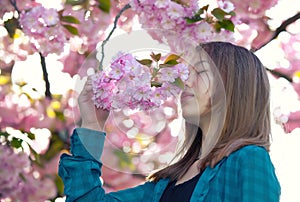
x: 203, y: 83
x: 203, y: 97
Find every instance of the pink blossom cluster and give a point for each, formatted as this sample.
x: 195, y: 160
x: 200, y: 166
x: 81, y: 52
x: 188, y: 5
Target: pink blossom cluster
x: 44, y: 29
x: 12, y: 50
x: 17, y: 182
x: 168, y: 15
x: 22, y: 112
x: 6, y: 5
x: 125, y: 21
x: 93, y: 24
x: 252, y: 9
x: 129, y: 84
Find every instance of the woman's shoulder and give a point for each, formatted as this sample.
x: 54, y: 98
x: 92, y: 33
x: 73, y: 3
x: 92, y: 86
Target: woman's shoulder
x: 250, y: 149
x: 253, y: 154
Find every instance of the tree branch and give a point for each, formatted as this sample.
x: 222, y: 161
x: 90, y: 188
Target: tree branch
x: 279, y: 74
x: 14, y: 4
x: 45, y: 75
x: 127, y: 6
x: 280, y: 29
x: 43, y: 63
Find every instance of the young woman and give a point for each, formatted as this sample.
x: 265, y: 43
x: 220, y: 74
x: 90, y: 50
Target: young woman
x: 225, y: 153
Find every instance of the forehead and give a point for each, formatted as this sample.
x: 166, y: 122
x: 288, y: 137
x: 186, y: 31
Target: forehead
x: 201, y: 59
x: 202, y: 64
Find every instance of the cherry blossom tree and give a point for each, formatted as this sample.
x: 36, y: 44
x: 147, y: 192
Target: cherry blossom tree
x: 36, y: 122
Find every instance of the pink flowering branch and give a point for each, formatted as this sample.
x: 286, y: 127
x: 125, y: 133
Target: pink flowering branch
x: 280, y: 29
x: 127, y: 6
x: 43, y: 63
x: 279, y: 74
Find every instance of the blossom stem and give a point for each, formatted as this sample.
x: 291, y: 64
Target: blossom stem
x: 127, y: 6
x: 45, y: 75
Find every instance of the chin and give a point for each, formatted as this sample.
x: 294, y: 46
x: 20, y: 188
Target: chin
x: 191, y: 118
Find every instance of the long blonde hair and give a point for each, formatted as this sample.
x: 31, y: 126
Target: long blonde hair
x: 244, y: 120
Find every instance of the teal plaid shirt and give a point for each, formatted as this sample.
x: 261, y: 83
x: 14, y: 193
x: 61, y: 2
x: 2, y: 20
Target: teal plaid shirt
x: 247, y: 175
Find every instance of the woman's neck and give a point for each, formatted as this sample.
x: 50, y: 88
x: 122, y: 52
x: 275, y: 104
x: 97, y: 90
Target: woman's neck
x: 204, y: 124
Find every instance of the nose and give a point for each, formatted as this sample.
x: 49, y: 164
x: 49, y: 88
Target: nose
x: 189, y: 81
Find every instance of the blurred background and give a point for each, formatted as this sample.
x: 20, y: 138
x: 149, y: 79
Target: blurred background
x: 45, y: 56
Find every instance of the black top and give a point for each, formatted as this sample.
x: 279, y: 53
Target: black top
x: 181, y: 192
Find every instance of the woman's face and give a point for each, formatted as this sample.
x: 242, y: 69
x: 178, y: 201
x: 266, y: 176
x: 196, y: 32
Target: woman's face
x: 195, y: 99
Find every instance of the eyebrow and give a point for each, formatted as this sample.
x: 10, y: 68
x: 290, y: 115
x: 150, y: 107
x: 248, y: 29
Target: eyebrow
x: 202, y: 61
x: 196, y: 66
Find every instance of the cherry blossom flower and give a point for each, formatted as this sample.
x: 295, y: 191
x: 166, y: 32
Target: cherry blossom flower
x: 50, y: 17
x: 44, y: 29
x: 128, y: 84
x: 226, y: 6
x: 175, y: 10
x: 182, y: 72
x: 168, y: 74
x: 17, y: 181
x: 252, y: 9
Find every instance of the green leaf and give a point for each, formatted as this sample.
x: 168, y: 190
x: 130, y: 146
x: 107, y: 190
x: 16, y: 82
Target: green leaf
x: 169, y: 63
x: 146, y: 62
x: 225, y: 24
x: 156, y: 84
x: 195, y: 18
x: 37, y: 159
x: 172, y: 62
x: 204, y: 8
x: 11, y: 25
x: 75, y: 2
x: 60, y: 115
x: 71, y: 29
x: 232, y: 13
x: 16, y: 142
x: 171, y: 57
x: 5, y: 134
x: 30, y: 136
x: 219, y: 13
x: 70, y: 19
x: 104, y: 5
x: 59, y: 184
x: 56, y: 145
x: 155, y: 57
x: 178, y: 82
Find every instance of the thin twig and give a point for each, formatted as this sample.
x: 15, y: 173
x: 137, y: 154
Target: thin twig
x: 279, y: 74
x: 14, y: 4
x: 280, y: 29
x: 127, y: 6
x: 45, y: 75
x: 43, y: 63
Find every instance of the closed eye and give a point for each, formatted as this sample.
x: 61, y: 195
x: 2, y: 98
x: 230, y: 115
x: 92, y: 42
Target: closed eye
x: 202, y: 71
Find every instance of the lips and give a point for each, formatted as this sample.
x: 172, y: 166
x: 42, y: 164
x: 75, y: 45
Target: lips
x: 186, y: 94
